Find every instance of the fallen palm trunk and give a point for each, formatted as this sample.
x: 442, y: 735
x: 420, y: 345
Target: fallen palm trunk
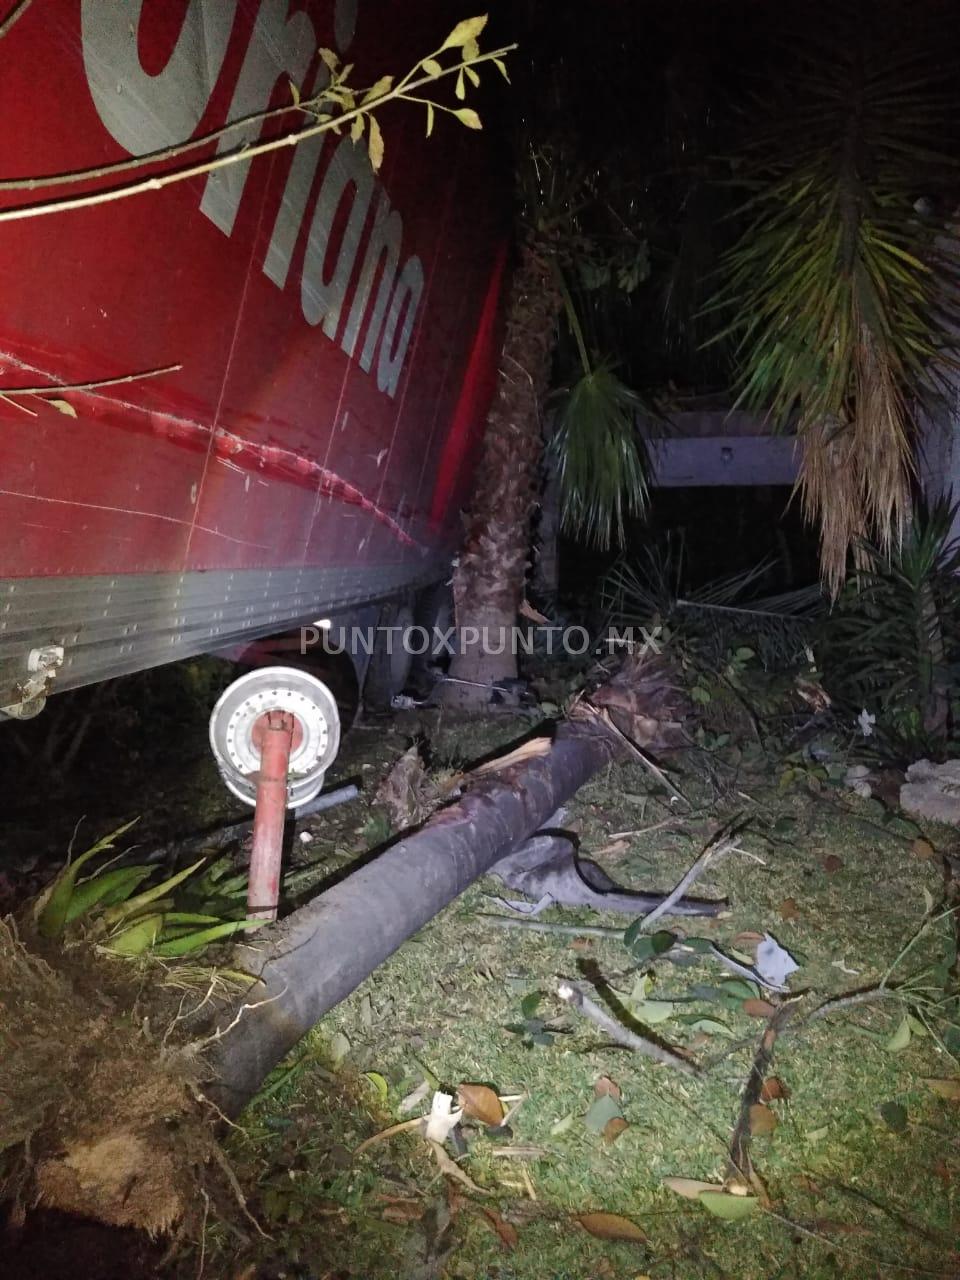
x: 316, y: 957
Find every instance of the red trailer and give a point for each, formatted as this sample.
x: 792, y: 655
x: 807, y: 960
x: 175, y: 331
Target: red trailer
x: 335, y: 331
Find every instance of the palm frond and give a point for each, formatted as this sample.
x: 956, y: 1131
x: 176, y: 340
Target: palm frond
x: 839, y: 291
x: 602, y: 458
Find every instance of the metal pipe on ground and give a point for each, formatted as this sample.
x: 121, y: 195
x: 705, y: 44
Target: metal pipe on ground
x: 310, y: 961
x: 274, y: 734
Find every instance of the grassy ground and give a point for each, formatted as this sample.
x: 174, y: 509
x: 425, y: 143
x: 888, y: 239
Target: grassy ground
x: 850, y: 1189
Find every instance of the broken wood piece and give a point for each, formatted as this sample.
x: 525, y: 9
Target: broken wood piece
x: 577, y: 999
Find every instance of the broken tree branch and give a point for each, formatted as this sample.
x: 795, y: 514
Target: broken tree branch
x: 55, y: 389
x: 715, y: 850
x: 740, y: 1166
x: 245, y: 153
x: 577, y: 999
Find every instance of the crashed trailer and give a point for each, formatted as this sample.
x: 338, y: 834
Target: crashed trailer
x: 333, y: 332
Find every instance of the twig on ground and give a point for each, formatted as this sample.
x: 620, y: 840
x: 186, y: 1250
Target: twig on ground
x: 644, y: 831
x: 404, y: 1126
x: 544, y: 926
x: 715, y: 850
x: 573, y: 996
x: 835, y: 1003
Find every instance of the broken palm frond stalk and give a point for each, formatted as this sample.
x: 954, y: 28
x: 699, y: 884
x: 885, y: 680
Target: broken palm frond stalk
x: 572, y: 995
x: 740, y: 1167
x: 717, y: 849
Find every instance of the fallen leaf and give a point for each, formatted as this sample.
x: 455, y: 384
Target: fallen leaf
x: 562, y: 1125
x: 949, y: 1089
x: 480, y: 1102
x: 582, y: 944
x: 758, y: 1008
x: 603, y: 1110
x: 505, y: 1230
x: 403, y: 1211
x: 922, y: 849
x: 762, y: 1120
x: 943, y: 1171
x: 379, y: 1083
x: 772, y: 1089
x: 748, y: 940
x: 789, y: 909
x: 900, y: 1038
x: 605, y: 1087
x: 690, y: 1188
x: 611, y: 1226
x: 831, y: 864
x: 63, y: 406
x: 729, y: 1207
x: 613, y: 1129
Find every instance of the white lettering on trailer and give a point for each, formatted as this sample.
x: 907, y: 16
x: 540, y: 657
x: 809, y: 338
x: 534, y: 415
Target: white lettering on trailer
x: 144, y: 113
x: 322, y: 300
x: 278, y: 47
x: 384, y: 243
x: 393, y: 349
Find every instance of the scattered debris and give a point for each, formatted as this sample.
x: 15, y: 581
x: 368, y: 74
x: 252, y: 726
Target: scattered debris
x: 932, y: 792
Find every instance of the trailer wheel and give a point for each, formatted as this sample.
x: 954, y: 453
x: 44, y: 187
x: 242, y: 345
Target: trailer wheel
x: 391, y: 659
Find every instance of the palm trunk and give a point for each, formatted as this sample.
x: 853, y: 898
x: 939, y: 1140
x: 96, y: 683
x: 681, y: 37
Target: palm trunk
x: 489, y: 580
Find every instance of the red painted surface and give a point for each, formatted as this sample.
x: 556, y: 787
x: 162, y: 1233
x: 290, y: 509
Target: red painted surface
x: 268, y: 414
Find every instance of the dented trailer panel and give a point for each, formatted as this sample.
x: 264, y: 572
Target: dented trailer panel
x: 336, y: 331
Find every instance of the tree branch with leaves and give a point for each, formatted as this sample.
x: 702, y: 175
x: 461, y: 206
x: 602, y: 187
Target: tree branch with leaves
x: 332, y: 109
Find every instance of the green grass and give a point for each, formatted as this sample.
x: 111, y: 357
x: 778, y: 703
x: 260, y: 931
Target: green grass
x: 849, y: 1197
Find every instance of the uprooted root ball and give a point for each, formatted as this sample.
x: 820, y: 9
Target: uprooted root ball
x: 98, y: 1116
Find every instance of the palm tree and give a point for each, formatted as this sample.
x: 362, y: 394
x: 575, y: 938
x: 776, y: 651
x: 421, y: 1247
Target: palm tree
x: 841, y: 291
x: 601, y: 459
